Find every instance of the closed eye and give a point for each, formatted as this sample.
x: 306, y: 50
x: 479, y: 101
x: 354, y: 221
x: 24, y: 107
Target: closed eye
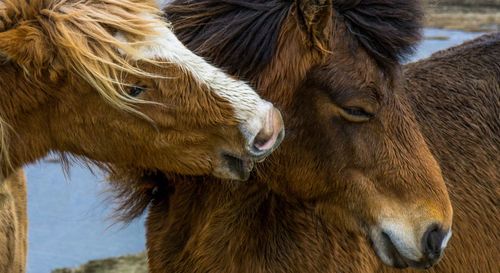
x: 355, y: 114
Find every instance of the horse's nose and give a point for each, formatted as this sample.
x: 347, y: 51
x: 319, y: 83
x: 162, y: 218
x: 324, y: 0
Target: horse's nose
x: 434, y: 242
x: 270, y: 135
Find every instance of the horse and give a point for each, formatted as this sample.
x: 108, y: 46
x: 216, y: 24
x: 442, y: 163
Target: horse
x: 354, y: 160
x: 107, y: 81
x: 456, y: 97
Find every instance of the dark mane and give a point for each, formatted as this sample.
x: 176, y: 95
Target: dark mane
x: 386, y: 29
x: 133, y: 190
x: 238, y: 35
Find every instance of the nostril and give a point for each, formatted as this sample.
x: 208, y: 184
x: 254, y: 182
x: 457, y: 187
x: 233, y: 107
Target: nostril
x: 433, y: 241
x: 269, y: 135
x: 262, y: 139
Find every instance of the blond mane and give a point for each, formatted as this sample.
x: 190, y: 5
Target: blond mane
x: 82, y: 34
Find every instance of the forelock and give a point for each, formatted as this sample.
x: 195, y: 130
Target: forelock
x: 387, y: 29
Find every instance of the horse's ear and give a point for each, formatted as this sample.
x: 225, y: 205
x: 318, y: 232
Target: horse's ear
x: 26, y: 46
x: 314, y: 17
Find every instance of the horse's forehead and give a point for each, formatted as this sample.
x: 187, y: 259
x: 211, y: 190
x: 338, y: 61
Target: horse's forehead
x: 346, y: 68
x: 165, y: 46
x: 365, y: 79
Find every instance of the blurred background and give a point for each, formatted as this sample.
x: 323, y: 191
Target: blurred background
x: 70, y: 218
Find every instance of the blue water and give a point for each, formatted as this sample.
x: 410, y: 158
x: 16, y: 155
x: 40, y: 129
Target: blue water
x: 429, y: 46
x: 69, y: 220
x: 69, y: 217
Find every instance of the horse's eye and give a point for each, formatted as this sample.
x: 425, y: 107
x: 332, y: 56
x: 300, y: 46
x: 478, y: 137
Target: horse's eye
x: 356, y: 114
x: 135, y: 91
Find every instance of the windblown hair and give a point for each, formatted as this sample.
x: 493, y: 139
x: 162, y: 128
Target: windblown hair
x: 243, y: 33
x: 78, y: 37
x: 242, y: 36
x: 387, y: 29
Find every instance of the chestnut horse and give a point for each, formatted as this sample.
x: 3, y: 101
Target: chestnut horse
x: 109, y: 81
x: 354, y: 158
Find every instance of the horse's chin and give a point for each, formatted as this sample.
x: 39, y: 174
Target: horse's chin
x: 387, y: 251
x: 233, y: 168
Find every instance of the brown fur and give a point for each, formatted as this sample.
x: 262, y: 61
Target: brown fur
x: 65, y: 86
x: 65, y: 83
x: 456, y: 97
x: 446, y: 92
x: 304, y: 208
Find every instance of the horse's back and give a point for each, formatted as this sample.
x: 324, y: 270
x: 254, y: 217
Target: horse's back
x: 456, y: 96
x: 13, y: 223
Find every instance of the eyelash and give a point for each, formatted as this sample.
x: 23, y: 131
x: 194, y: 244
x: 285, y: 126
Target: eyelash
x: 356, y: 111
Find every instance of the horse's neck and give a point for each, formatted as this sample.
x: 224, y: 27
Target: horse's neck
x: 212, y: 228
x: 463, y: 102
x: 20, y: 108
x: 249, y: 224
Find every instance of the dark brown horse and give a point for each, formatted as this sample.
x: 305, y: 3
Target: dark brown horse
x: 456, y: 99
x: 354, y: 159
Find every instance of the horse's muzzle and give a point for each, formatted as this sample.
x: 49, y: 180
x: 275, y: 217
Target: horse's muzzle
x: 395, y: 252
x: 269, y: 137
